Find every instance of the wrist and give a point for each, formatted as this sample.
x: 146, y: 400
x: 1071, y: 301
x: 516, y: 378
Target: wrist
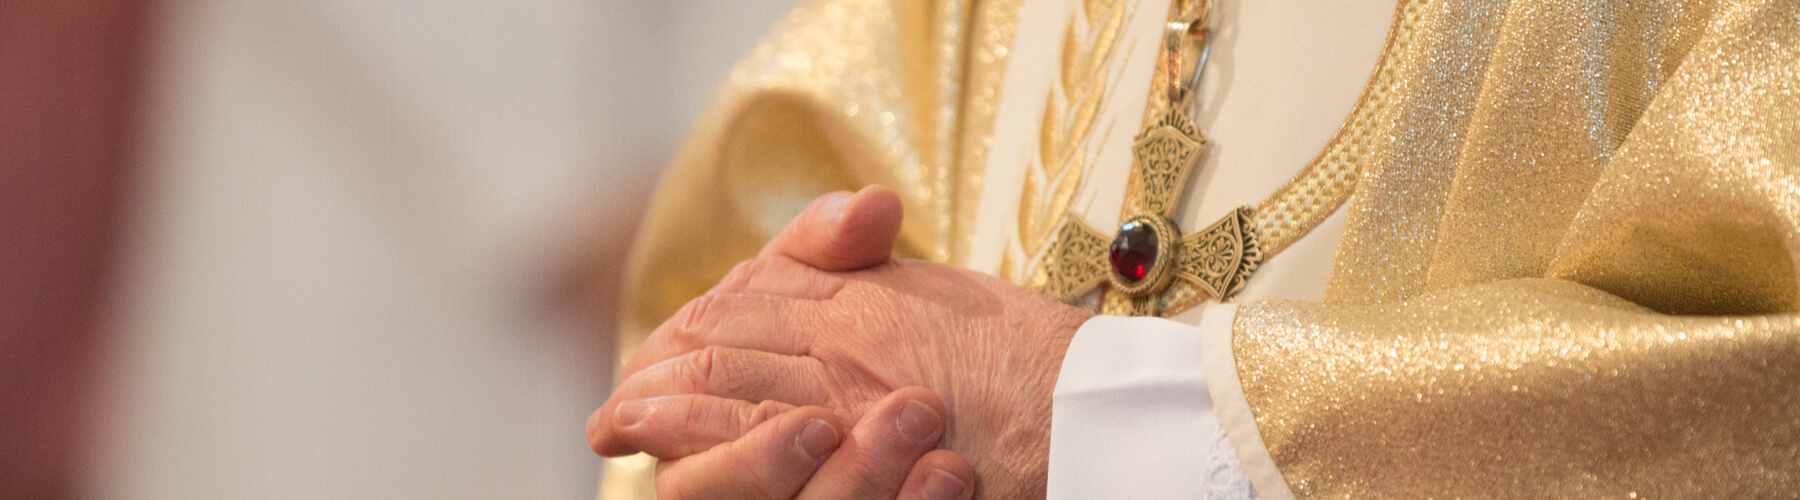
x: 1057, y: 332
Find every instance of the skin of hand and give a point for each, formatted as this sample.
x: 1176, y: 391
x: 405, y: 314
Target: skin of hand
x: 725, y: 448
x: 778, y: 329
x: 714, y: 447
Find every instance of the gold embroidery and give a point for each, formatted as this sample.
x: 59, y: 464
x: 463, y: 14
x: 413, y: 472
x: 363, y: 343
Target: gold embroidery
x: 1327, y: 182
x: 1057, y: 174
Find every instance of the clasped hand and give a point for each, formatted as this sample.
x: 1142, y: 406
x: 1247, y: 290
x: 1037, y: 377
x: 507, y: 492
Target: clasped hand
x: 748, y: 390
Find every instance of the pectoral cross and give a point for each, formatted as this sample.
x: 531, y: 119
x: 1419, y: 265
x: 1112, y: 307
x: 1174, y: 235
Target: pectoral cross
x: 1148, y: 266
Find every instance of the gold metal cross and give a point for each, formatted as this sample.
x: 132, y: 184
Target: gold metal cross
x: 1148, y: 266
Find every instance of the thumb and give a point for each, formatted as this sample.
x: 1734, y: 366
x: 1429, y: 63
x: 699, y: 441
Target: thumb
x: 842, y: 231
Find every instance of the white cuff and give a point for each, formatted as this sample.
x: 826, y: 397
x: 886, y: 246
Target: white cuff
x: 1132, y: 418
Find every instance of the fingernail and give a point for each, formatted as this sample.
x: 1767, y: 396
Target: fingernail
x: 629, y: 412
x: 817, y: 440
x: 917, y: 421
x: 838, y: 204
x: 944, y: 486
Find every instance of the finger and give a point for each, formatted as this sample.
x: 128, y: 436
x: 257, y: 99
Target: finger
x: 883, y: 448
x: 840, y: 231
x: 742, y: 321
x: 779, y: 275
x: 739, y: 276
x: 718, y: 371
x: 940, y: 475
x: 677, y: 426
x: 771, y: 462
x: 730, y: 373
x: 843, y: 231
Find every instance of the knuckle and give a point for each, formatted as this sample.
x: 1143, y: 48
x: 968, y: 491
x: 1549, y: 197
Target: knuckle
x: 753, y: 267
x: 702, y: 368
x: 763, y: 411
x: 739, y: 276
x: 693, y: 316
x: 822, y: 285
x: 741, y: 269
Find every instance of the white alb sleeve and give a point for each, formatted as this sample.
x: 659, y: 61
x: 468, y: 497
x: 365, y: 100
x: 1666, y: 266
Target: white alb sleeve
x: 1131, y: 416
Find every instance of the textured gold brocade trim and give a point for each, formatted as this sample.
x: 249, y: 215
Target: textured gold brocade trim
x: 1325, y: 184
x: 1301, y: 204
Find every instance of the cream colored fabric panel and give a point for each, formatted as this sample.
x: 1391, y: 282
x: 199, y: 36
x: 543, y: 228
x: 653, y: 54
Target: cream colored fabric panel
x: 1070, y: 107
x: 1280, y: 81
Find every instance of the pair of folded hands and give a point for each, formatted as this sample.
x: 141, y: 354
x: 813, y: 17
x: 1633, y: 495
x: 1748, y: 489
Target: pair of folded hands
x: 825, y: 369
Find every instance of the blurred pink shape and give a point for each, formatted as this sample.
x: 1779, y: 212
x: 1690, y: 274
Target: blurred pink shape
x: 68, y: 82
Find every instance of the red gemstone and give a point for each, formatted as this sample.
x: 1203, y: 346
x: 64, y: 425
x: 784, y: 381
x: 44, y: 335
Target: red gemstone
x: 1134, y: 251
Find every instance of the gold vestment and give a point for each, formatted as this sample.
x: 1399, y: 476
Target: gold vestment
x: 1568, y: 267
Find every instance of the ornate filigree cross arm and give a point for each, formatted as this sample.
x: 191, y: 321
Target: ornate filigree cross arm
x: 1074, y: 263
x: 1162, y: 158
x: 1221, y: 258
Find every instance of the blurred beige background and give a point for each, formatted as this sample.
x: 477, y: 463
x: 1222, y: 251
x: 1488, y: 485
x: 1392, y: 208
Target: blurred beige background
x: 356, y: 263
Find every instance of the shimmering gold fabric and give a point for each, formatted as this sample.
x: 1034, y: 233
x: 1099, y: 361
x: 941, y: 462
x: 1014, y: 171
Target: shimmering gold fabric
x: 1510, y: 111
x: 1568, y: 271
x: 1531, y: 388
x: 843, y: 94
x: 1699, y: 212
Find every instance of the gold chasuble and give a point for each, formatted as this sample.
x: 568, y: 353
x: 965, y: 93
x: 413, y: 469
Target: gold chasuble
x: 1567, y: 269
